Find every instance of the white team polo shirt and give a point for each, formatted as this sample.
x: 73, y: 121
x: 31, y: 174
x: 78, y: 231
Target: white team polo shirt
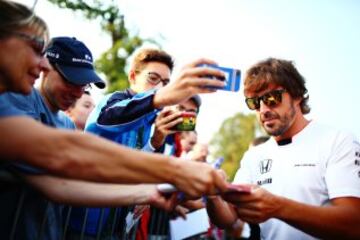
x: 319, y: 164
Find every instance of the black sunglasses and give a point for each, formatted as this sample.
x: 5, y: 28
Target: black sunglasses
x: 271, y: 99
x: 155, y: 78
x: 37, y: 43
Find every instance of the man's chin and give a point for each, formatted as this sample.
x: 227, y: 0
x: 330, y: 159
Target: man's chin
x: 65, y: 107
x: 269, y: 126
x: 271, y: 130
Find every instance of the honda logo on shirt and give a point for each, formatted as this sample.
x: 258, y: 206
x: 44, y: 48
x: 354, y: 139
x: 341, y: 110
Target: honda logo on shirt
x: 265, y: 165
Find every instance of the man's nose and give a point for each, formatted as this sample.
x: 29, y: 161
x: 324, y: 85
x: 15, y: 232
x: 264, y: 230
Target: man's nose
x: 263, y: 107
x: 44, y: 64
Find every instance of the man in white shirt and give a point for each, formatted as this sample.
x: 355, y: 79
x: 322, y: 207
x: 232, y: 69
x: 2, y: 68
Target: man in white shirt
x: 306, y: 179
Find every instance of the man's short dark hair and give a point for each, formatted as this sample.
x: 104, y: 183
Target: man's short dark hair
x: 279, y: 72
x: 197, y: 101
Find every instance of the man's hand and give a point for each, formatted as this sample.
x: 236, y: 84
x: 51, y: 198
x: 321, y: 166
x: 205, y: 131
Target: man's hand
x: 164, y: 122
x: 337, y: 220
x: 158, y: 199
x: 197, y: 179
x: 192, y: 80
x: 179, y: 211
x: 255, y: 207
x: 167, y: 202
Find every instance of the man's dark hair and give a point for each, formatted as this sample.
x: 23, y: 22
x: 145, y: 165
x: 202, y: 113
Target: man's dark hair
x: 197, y: 101
x: 281, y: 73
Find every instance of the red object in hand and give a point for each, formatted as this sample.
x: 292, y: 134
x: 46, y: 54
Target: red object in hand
x: 188, y: 123
x: 238, y: 188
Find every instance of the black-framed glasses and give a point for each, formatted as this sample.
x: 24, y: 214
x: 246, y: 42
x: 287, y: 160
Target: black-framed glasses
x: 271, y: 99
x: 37, y: 43
x: 155, y: 78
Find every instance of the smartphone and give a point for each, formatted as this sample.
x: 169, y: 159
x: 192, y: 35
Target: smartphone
x: 232, y: 77
x: 188, y: 123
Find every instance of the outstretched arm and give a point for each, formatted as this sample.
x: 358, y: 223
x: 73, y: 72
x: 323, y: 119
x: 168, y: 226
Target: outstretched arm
x: 191, y: 81
x: 75, y: 192
x: 85, y: 156
x: 123, y: 108
x: 340, y: 220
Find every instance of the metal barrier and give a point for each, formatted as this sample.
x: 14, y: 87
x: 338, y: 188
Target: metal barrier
x: 26, y: 214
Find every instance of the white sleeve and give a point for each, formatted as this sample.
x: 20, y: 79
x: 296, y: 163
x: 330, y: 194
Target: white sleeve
x: 148, y: 147
x: 243, y: 174
x: 343, y: 170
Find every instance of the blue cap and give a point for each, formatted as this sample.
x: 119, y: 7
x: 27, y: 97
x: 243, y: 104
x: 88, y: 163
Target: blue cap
x: 197, y: 100
x: 73, y: 60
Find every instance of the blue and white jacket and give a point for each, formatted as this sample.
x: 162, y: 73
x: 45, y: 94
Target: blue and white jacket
x: 124, y: 117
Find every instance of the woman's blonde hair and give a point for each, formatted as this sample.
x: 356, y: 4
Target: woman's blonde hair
x: 15, y: 16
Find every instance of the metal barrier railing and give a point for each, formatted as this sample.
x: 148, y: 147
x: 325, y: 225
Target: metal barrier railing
x: 26, y: 214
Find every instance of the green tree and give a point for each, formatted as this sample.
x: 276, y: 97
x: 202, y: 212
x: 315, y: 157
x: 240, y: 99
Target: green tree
x: 233, y: 139
x: 112, y: 62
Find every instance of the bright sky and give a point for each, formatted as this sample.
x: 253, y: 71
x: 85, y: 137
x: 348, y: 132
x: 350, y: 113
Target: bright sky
x: 322, y: 37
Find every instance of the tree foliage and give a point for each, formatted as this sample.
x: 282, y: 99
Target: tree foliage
x: 112, y: 62
x: 233, y: 139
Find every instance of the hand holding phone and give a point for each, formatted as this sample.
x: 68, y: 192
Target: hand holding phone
x: 188, y: 123
x: 232, y: 77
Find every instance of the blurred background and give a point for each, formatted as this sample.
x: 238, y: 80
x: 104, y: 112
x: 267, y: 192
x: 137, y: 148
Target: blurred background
x: 322, y: 38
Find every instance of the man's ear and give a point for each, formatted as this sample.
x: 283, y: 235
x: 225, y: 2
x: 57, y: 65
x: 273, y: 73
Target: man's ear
x: 132, y: 77
x: 298, y: 100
